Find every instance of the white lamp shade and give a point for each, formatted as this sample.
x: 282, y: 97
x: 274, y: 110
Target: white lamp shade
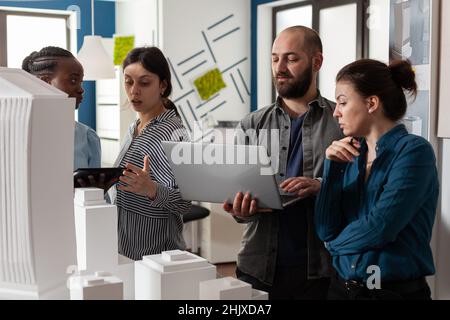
x: 96, y: 62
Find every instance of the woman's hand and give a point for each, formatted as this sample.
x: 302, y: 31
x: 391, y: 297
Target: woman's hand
x: 343, y: 150
x: 138, y: 180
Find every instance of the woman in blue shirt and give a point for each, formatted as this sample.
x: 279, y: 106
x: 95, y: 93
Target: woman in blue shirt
x: 377, y: 204
x: 59, y: 68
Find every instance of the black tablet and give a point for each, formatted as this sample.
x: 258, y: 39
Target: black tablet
x: 102, y: 178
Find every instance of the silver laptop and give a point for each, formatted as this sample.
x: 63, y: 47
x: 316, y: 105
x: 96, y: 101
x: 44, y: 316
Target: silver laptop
x: 216, y: 172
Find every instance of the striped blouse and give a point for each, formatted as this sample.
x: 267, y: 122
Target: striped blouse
x: 148, y: 226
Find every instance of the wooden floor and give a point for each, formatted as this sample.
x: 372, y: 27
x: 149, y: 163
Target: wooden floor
x: 226, y: 269
x: 223, y: 269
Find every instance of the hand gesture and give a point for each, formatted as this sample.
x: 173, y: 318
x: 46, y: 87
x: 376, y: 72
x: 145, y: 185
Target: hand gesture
x: 138, y: 180
x: 343, y: 150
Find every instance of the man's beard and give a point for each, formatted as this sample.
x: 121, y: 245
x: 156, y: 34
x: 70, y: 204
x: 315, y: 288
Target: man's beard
x: 297, y: 89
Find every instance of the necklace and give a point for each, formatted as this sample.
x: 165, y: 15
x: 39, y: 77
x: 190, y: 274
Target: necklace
x: 142, y: 129
x: 369, y: 164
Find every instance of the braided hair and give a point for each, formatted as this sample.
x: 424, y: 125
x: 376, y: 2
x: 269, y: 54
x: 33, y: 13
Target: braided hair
x: 45, y: 61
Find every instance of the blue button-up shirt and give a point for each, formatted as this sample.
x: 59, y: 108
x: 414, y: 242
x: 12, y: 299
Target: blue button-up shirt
x: 386, y: 221
x: 87, y: 148
x: 292, y: 240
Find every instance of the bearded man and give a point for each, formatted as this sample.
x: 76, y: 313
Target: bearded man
x: 281, y: 253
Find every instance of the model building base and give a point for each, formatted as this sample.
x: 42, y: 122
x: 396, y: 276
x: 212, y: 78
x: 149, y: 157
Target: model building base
x: 171, y: 275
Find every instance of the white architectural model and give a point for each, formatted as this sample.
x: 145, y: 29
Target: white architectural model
x: 172, y: 275
x: 96, y: 230
x: 125, y: 271
x: 229, y: 288
x: 37, y: 235
x: 259, y: 295
x: 100, y: 286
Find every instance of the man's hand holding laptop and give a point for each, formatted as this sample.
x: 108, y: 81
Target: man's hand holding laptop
x: 245, y: 206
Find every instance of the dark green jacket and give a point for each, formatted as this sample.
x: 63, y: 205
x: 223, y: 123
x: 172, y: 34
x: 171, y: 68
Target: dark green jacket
x: 258, y: 253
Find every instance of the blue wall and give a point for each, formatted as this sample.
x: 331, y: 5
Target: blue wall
x: 104, y: 12
x: 253, y: 34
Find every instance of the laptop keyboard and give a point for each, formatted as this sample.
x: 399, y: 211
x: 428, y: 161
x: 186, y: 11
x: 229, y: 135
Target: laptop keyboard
x: 287, y: 198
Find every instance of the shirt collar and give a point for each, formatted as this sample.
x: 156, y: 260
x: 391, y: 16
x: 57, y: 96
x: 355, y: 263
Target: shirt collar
x: 169, y: 113
x: 391, y: 137
x: 319, y: 101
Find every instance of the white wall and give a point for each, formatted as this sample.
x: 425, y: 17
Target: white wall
x: 443, y: 228
x: 138, y: 18
x: 443, y: 220
x: 191, y: 30
x: 444, y: 110
x: 197, y: 36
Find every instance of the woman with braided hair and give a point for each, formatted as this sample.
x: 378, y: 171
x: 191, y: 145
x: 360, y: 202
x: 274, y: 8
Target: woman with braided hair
x: 59, y: 68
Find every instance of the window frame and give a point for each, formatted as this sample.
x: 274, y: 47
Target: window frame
x: 362, y: 31
x: 10, y: 11
x: 317, y: 5
x: 288, y: 7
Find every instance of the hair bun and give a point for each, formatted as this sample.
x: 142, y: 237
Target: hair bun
x: 403, y: 74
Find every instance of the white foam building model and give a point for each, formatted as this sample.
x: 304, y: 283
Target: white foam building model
x: 96, y: 234
x: 125, y: 271
x: 37, y: 235
x: 259, y: 295
x: 99, y: 286
x: 171, y: 275
x: 96, y: 230
x: 229, y: 288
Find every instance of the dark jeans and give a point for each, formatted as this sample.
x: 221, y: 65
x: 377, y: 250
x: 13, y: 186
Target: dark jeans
x: 290, y: 283
x: 339, y: 291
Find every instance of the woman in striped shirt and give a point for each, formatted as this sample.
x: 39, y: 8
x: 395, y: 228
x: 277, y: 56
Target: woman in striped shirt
x: 150, y: 207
